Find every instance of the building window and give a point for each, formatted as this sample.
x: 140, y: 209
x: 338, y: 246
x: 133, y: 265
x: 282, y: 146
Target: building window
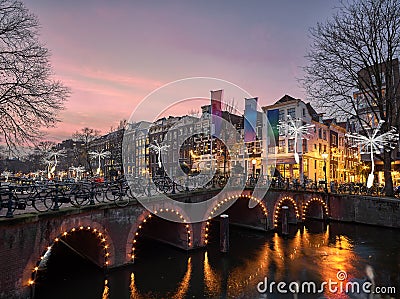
x: 292, y: 112
x: 334, y: 139
x: 282, y: 114
x: 305, y: 147
x: 304, y: 112
x: 282, y: 145
x: 324, y: 137
x: 320, y: 133
x: 291, y: 146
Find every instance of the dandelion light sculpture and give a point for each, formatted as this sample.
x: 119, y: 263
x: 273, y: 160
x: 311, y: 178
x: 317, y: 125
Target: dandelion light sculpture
x: 49, y: 167
x: 293, y: 128
x: 99, y: 155
x: 55, y: 155
x: 375, y: 143
x: 158, y: 149
x: 6, y: 175
x: 77, y: 171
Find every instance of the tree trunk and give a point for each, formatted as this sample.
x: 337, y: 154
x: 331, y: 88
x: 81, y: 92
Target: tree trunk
x: 387, y: 170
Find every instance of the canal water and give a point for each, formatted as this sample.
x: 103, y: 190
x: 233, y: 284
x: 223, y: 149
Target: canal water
x: 315, y: 252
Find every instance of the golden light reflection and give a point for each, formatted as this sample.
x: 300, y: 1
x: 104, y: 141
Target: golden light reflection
x: 106, y: 290
x: 134, y: 292
x: 251, y: 272
x: 179, y: 294
x: 211, y: 279
x: 184, y: 285
x: 332, y: 257
x: 278, y: 256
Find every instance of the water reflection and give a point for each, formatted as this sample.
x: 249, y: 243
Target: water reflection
x: 184, y: 285
x: 315, y: 252
x: 248, y: 274
x: 106, y: 290
x: 211, y: 279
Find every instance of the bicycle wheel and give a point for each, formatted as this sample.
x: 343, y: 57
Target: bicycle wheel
x: 81, y: 197
x: 49, y: 199
x: 99, y: 194
x: 112, y: 192
x: 120, y: 200
x: 39, y: 202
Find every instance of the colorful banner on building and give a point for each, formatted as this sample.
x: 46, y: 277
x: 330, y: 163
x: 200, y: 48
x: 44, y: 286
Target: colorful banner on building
x: 250, y: 120
x: 273, y: 119
x: 216, y: 112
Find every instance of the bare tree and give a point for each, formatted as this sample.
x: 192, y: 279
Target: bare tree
x: 86, y: 136
x: 353, y: 67
x: 29, y: 98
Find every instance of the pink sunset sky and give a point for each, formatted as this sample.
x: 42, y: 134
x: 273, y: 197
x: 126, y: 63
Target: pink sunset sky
x: 114, y: 53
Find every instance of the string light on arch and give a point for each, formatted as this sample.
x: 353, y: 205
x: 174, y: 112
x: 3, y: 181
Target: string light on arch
x: 224, y: 201
x: 149, y: 216
x: 314, y: 199
x: 99, y: 235
x: 279, y: 207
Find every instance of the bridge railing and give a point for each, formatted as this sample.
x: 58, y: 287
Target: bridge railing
x: 51, y: 195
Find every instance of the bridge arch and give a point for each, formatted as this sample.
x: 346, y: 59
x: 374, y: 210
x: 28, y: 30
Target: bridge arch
x: 214, y: 211
x: 278, y: 206
x: 219, y: 204
x: 68, y: 228
x: 317, y: 200
x: 144, y: 218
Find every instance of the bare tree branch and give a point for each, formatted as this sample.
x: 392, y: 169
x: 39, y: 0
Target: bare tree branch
x: 29, y: 98
x: 353, y: 68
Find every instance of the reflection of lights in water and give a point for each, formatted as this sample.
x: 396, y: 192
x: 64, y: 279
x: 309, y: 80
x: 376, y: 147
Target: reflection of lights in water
x: 292, y: 247
x: 184, y: 285
x: 106, y: 290
x: 134, y: 292
x: 180, y: 292
x: 332, y: 257
x: 316, y: 241
x: 211, y: 280
x: 253, y: 271
x: 277, y: 255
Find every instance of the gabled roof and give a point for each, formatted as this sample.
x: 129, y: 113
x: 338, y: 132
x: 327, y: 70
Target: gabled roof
x: 312, y: 112
x: 286, y: 98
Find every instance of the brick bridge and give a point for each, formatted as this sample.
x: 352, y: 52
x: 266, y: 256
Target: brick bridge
x: 107, y: 234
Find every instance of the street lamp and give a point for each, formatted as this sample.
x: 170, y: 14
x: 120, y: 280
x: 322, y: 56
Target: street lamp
x: 325, y: 156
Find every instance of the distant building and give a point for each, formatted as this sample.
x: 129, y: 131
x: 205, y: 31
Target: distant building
x: 111, y: 166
